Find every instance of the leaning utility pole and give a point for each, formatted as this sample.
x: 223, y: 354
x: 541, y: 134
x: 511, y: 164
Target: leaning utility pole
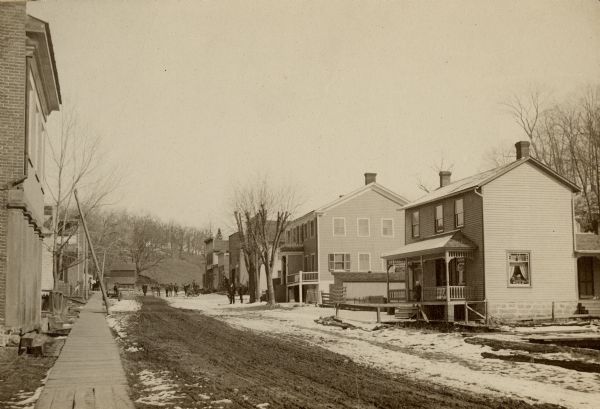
x: 89, y: 240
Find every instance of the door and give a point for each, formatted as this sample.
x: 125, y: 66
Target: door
x: 585, y: 276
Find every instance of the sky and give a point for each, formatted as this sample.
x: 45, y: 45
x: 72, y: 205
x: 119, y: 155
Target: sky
x: 193, y: 98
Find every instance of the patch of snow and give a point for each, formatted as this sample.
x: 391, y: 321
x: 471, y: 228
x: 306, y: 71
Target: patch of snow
x: 203, y: 396
x: 222, y: 402
x: 158, y: 389
x: 426, y: 355
x: 125, y: 306
x: 262, y: 405
x: 133, y: 349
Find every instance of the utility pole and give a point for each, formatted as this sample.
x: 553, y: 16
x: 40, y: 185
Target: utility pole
x: 89, y: 240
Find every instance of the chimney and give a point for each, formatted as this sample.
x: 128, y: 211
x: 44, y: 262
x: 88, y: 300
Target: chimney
x: 370, y: 178
x: 522, y: 149
x: 445, y: 177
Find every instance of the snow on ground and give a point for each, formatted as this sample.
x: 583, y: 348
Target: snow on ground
x: 117, y: 320
x: 443, y: 358
x: 124, y: 306
x: 157, y: 389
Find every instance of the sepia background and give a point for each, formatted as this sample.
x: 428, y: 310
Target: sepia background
x: 193, y: 97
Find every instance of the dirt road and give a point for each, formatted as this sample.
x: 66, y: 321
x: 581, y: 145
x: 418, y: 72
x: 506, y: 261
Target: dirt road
x: 210, y: 364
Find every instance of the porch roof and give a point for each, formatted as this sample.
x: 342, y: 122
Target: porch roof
x: 452, y: 241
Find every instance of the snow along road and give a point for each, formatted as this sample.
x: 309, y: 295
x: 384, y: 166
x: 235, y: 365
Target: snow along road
x: 180, y: 358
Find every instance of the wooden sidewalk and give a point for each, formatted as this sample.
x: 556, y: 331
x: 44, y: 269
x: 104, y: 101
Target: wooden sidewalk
x: 88, y: 374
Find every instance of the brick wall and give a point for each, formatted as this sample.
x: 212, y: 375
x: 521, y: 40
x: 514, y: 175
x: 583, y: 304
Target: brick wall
x: 12, y: 116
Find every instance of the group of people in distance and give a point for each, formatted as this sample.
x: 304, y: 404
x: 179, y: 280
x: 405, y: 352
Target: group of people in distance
x: 172, y: 289
x: 232, y: 289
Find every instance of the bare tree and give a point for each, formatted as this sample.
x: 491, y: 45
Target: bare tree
x: 145, y: 245
x: 566, y: 137
x: 75, y: 163
x: 267, y: 211
x: 249, y: 249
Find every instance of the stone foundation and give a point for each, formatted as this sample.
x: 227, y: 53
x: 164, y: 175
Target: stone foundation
x: 524, y: 310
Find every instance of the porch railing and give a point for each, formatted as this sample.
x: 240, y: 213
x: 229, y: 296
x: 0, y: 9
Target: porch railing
x: 307, y: 277
x: 457, y: 292
x: 398, y: 295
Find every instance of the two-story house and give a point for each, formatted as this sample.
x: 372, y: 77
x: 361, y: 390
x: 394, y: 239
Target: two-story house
x: 217, y: 263
x: 502, y: 240
x: 348, y: 235
x: 29, y: 93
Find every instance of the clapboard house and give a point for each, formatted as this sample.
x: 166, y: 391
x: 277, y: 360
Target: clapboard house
x: 500, y: 242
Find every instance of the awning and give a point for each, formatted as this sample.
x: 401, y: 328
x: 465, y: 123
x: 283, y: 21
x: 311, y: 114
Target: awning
x: 454, y: 241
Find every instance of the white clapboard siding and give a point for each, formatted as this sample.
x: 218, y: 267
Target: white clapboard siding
x: 373, y: 206
x: 526, y: 209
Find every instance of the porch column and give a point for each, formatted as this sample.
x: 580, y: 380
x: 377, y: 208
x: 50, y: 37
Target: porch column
x: 449, y: 311
x: 300, y: 286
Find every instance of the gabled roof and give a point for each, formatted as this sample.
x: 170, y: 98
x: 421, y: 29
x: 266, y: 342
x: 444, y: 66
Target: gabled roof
x: 375, y: 187
x: 587, y: 243
x: 454, y: 240
x: 483, y: 178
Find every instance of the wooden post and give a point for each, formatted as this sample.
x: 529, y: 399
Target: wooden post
x: 89, y: 240
x: 466, y: 313
x: 552, y: 310
x: 337, y: 310
x: 449, y: 312
x: 300, y: 286
x: 378, y: 315
x: 485, y: 311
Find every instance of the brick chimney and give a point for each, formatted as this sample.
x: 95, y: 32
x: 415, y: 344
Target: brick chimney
x: 370, y: 178
x: 445, y: 177
x: 522, y: 149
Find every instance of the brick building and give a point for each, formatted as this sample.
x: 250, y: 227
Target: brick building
x: 29, y: 93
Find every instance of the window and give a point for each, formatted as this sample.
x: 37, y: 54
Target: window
x: 313, y: 262
x: 439, y: 218
x: 339, y: 226
x: 339, y: 262
x: 519, y: 269
x: 364, y: 228
x: 288, y: 236
x: 415, y: 224
x: 459, y: 215
x: 306, y: 265
x: 364, y: 262
x: 312, y: 228
x: 387, y: 227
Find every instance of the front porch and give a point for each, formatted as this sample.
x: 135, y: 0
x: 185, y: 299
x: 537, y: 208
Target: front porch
x: 437, y: 276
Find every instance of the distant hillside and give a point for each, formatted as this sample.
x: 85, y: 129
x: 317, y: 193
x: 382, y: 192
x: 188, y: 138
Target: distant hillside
x: 176, y: 271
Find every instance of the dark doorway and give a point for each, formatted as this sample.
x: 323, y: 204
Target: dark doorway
x: 585, y: 276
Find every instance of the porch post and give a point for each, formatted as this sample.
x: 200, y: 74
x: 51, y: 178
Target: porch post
x: 449, y: 311
x: 300, y: 286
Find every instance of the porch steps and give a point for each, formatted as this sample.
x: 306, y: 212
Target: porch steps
x: 406, y: 312
x: 590, y: 307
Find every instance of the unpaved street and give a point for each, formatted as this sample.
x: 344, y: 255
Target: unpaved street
x: 188, y: 360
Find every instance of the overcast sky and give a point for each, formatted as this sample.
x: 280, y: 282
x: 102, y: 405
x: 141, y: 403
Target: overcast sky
x: 196, y: 96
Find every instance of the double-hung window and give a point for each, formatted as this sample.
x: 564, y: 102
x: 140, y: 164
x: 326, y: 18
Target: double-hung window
x: 459, y: 215
x: 339, y: 262
x: 364, y: 227
x: 364, y: 262
x: 518, y: 268
x: 415, y: 224
x: 439, y: 218
x: 387, y: 227
x: 339, y: 226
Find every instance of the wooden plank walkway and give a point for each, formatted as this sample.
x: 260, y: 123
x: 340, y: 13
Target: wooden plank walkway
x: 88, y: 374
